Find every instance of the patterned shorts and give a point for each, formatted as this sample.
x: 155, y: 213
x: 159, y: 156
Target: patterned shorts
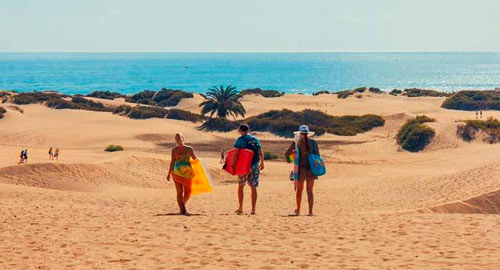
x: 252, y: 178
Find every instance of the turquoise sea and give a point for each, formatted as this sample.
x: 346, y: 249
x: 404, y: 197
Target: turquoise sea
x: 290, y: 72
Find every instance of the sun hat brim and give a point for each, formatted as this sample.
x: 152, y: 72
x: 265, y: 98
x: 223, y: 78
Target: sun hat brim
x: 310, y: 133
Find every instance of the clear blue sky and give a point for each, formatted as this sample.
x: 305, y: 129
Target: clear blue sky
x: 249, y: 25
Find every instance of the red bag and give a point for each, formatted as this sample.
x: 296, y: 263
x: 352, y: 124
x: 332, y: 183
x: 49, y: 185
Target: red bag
x: 243, y: 162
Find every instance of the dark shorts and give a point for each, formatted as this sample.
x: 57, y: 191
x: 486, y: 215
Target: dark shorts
x: 305, y: 174
x: 252, y: 178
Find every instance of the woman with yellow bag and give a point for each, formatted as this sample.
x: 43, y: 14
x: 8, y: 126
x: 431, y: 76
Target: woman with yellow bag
x: 188, y: 172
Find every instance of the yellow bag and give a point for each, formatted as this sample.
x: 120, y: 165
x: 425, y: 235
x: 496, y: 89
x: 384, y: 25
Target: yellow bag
x: 202, y: 181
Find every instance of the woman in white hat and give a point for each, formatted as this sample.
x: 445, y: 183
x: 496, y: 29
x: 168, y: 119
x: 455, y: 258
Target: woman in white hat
x: 301, y: 148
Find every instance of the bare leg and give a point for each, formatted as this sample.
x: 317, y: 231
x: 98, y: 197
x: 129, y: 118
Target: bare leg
x: 254, y: 199
x: 298, y: 195
x: 310, y: 195
x: 187, y: 195
x: 241, y: 195
x: 178, y: 188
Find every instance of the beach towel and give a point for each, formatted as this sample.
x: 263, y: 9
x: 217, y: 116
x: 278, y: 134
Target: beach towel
x: 202, y: 180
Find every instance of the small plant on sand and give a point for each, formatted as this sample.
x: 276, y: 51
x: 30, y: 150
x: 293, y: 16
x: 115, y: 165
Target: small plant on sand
x: 326, y: 92
x: 223, y: 102
x: 395, y: 92
x: 344, y: 94
x: 490, y: 130
x: 270, y: 156
x: 414, y: 136
x: 2, y: 111
x: 113, y: 148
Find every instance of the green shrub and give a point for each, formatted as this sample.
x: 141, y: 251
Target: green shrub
x: 344, y: 94
x: 473, y: 100
x: 113, y: 148
x: 2, y: 111
x: 105, y: 95
x: 375, y: 90
x: 122, y: 109
x: 415, y: 92
x: 490, y: 127
x: 4, y: 96
x: 163, y: 98
x: 396, y: 92
x: 77, y: 103
x: 34, y: 97
x: 219, y: 124
x: 414, y: 136
x: 146, y: 112
x: 264, y: 93
x: 360, y: 89
x: 284, y: 122
x: 320, y: 93
x: 183, y: 115
x: 270, y: 156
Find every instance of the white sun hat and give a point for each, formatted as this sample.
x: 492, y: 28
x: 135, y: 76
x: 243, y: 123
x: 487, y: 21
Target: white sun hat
x: 304, y: 129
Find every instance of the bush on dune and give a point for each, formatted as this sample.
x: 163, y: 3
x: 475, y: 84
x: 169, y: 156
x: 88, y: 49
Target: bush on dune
x: 163, y: 98
x: 113, y: 148
x: 4, y: 96
x: 35, y: 97
x: 2, y: 111
x: 414, y: 136
x: 219, y: 124
x: 270, y: 156
x: 473, y: 100
x: 146, y: 112
x: 415, y: 92
x: 344, y: 94
x: 323, y: 92
x: 264, y: 93
x: 395, y: 92
x: 284, y: 122
x: 375, y: 90
x: 77, y: 103
x: 469, y: 131
x: 106, y: 95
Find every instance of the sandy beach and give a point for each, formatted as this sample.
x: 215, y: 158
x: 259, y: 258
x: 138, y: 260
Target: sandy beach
x: 377, y: 208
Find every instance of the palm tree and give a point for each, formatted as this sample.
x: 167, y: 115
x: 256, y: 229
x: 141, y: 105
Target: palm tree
x: 223, y: 101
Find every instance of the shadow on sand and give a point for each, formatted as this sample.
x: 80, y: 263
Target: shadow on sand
x: 177, y: 214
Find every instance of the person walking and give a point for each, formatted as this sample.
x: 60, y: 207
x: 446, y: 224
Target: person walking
x: 21, y: 157
x: 305, y: 146
x: 222, y: 156
x: 56, y: 153
x: 51, y: 153
x: 247, y: 141
x: 25, y: 156
x: 180, y: 170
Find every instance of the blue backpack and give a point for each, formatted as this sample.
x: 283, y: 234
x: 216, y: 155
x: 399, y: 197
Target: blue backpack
x: 318, y: 167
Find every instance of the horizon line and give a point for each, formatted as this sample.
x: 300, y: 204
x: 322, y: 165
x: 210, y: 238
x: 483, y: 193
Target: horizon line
x: 229, y: 52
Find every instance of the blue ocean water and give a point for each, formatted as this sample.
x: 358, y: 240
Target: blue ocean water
x: 290, y: 72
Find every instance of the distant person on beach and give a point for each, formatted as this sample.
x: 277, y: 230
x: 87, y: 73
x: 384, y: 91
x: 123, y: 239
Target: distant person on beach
x: 481, y: 114
x: 180, y: 170
x: 56, y: 154
x: 477, y: 114
x: 25, y: 155
x: 246, y: 141
x: 305, y: 146
x: 21, y: 157
x: 222, y: 156
x: 51, y: 153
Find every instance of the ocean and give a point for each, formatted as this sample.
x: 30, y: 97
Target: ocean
x: 73, y: 73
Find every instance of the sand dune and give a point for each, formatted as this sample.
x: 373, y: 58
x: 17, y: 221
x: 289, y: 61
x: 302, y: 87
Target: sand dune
x: 377, y: 208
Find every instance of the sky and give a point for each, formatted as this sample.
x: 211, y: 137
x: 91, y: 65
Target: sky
x: 248, y: 25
